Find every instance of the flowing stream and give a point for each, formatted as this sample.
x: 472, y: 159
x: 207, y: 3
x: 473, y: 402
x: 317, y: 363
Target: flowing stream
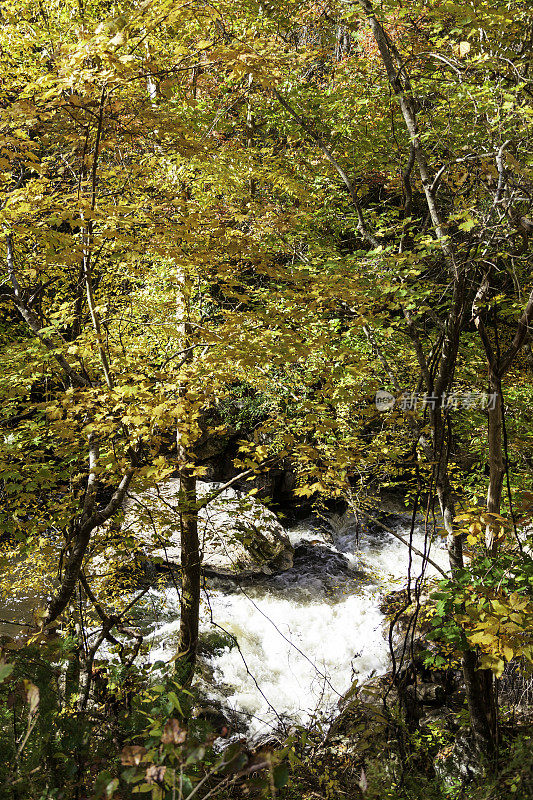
x: 305, y: 634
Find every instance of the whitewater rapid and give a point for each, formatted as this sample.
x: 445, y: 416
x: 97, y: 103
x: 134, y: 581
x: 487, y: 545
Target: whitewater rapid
x: 304, y: 635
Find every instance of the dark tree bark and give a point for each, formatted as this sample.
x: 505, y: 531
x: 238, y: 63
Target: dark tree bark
x: 190, y: 577
x: 482, y: 706
x: 495, y: 448
x: 188, y: 509
x: 498, y: 364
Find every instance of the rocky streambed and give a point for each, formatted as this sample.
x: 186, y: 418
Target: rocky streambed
x: 287, y: 626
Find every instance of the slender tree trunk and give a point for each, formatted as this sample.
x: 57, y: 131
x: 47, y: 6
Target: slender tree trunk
x: 190, y: 571
x: 454, y: 543
x: 250, y: 124
x: 479, y: 684
x: 72, y: 674
x: 190, y: 546
x: 496, y: 455
x: 87, y: 244
x: 482, y: 706
x: 498, y: 364
x: 494, y: 499
x: 81, y: 536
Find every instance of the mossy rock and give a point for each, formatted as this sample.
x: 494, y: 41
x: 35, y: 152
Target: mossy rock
x: 213, y: 643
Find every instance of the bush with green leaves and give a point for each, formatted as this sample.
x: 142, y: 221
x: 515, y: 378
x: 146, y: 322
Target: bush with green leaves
x: 488, y: 605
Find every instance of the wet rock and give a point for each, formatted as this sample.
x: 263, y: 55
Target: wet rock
x: 421, y: 695
x: 238, y: 535
x: 429, y: 694
x: 394, y: 602
x: 460, y: 762
x: 214, y: 716
x: 362, y: 709
x: 409, y: 662
x: 372, y: 692
x: 213, y: 643
x: 267, y: 742
x: 317, y: 571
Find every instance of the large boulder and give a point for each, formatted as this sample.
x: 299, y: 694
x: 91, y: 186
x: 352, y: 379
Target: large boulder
x: 238, y: 535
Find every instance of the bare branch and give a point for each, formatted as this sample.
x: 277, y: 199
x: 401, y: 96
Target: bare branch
x: 225, y: 486
x: 87, y: 248
x: 361, y: 224
x: 522, y: 331
x: 80, y: 539
x: 502, y: 177
x: 481, y: 297
x: 32, y: 321
x: 90, y: 493
x: 409, y: 114
x: 403, y: 541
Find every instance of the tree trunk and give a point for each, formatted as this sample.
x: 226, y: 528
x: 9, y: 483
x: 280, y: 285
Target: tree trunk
x: 80, y: 539
x: 190, y: 572
x: 498, y: 364
x: 479, y: 684
x: 496, y: 457
x: 482, y: 706
x: 188, y: 507
x: 454, y: 543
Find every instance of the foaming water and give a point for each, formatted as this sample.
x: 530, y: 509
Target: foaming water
x: 304, y: 635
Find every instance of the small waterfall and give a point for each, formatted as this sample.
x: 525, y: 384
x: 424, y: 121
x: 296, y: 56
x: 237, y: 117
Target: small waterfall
x: 304, y: 634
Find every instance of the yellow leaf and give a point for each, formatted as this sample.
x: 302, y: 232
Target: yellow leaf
x: 462, y: 49
x: 507, y: 652
x: 494, y: 663
x: 483, y: 638
x: 499, y: 608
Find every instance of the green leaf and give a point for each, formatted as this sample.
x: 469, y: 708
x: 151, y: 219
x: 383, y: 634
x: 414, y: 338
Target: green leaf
x: 5, y: 671
x: 467, y: 225
x: 173, y: 697
x: 281, y: 776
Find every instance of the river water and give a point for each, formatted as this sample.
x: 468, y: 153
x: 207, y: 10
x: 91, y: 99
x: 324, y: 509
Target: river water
x: 304, y: 635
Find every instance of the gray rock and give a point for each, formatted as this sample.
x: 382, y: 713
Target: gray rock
x: 238, y: 535
x: 211, y: 446
x: 461, y: 764
x: 371, y: 692
x: 429, y: 694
